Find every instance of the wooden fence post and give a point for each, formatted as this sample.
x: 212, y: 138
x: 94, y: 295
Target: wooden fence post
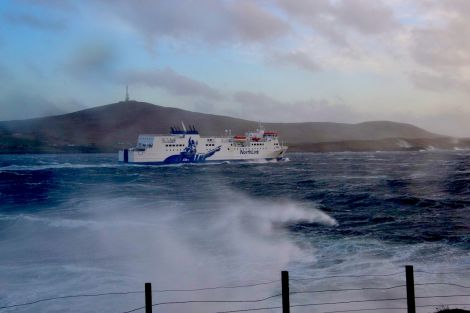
x: 285, y: 292
x: 148, y: 298
x: 410, y: 289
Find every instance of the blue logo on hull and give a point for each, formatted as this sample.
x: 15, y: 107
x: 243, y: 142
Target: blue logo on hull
x: 190, y: 155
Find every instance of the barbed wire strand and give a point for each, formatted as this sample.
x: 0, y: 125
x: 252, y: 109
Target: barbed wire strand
x: 220, y: 287
x: 344, y: 311
x: 134, y: 292
x: 316, y: 304
x: 299, y: 305
x: 347, y: 289
x: 136, y: 309
x: 440, y: 304
x: 447, y: 284
x: 376, y: 309
x: 373, y: 288
x: 389, y: 308
x: 440, y: 273
x: 345, y: 276
x: 359, y: 310
x: 252, y: 309
x: 218, y: 301
x: 207, y: 301
x: 69, y: 296
x: 438, y: 296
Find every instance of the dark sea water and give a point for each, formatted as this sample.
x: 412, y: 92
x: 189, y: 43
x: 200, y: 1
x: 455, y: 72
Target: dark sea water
x: 84, y: 224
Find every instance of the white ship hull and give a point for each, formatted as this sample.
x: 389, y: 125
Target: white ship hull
x: 190, y: 147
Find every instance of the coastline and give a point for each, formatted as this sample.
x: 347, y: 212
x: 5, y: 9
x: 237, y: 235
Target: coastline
x: 390, y: 144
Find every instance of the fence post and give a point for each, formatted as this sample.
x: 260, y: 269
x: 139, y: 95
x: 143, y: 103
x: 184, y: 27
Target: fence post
x: 148, y: 298
x: 410, y: 289
x: 285, y: 292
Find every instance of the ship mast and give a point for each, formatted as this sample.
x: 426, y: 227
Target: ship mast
x: 127, y: 93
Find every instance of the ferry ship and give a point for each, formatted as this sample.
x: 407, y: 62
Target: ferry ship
x: 187, y: 146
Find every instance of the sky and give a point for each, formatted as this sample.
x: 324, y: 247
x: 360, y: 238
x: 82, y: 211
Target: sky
x: 274, y: 61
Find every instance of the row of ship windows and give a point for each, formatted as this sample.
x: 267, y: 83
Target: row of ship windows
x: 182, y: 145
x: 236, y: 148
x: 207, y: 145
x: 174, y: 145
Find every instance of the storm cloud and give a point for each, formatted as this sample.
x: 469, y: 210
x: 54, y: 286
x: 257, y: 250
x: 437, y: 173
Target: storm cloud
x: 383, y: 59
x: 91, y: 60
x: 208, y: 20
x: 257, y: 104
x: 297, y: 59
x: 172, y: 82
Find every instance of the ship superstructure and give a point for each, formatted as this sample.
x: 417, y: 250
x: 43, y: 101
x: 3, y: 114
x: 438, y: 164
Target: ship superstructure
x: 187, y: 146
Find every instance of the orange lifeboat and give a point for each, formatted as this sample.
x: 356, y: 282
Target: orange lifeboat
x: 239, y: 138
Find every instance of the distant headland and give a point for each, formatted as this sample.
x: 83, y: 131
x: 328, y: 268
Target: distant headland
x: 111, y: 127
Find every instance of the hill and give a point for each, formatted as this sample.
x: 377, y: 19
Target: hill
x: 110, y: 127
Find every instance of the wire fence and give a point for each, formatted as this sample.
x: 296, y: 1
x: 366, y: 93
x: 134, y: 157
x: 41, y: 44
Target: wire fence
x: 404, y: 303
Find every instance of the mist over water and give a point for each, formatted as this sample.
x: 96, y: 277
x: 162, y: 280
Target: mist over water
x: 82, y: 224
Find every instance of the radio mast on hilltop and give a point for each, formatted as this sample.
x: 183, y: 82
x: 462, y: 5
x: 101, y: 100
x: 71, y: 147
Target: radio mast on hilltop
x: 127, y: 93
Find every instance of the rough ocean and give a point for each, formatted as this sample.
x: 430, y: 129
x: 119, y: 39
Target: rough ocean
x: 84, y: 224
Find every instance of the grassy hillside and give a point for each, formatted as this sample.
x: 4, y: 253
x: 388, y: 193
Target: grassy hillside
x: 114, y: 126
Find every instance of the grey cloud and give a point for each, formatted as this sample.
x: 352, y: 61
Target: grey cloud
x: 209, y: 20
x: 35, y: 22
x: 256, y: 99
x: 333, y: 19
x: 298, y: 59
x: 22, y: 104
x: 253, y: 23
x: 172, y: 82
x: 456, y: 6
x: 452, y: 120
x: 439, y: 81
x: 442, y: 50
x: 366, y: 16
x: 442, y: 47
x: 263, y: 107
x: 92, y: 60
